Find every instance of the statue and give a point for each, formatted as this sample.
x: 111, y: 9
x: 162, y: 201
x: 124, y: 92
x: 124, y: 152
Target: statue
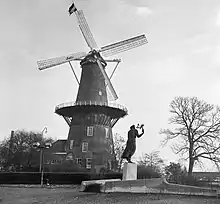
x: 131, y: 142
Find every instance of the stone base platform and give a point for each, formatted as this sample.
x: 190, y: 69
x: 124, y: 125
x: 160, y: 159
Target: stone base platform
x: 153, y: 186
x: 86, y: 184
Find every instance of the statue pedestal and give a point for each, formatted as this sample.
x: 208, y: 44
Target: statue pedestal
x: 130, y: 171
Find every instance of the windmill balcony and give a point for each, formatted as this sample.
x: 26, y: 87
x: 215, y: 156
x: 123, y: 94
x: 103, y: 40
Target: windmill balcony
x: 85, y: 103
x: 71, y: 108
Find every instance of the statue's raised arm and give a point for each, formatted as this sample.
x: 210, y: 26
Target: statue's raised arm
x: 142, y: 129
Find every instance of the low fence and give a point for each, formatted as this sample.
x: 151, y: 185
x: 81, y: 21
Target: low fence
x: 52, y: 177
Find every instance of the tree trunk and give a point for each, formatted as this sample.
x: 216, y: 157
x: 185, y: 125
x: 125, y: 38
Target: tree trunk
x: 191, y: 164
x: 191, y: 159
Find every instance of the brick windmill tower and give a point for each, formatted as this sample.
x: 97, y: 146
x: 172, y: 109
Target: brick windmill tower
x: 93, y: 115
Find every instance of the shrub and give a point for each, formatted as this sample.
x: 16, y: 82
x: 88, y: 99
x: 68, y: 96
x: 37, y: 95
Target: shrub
x: 53, y: 178
x: 144, y: 172
x: 189, y: 180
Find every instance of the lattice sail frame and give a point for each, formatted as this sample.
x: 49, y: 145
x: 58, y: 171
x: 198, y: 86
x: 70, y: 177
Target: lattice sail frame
x: 123, y: 46
x: 84, y: 27
x: 44, y: 64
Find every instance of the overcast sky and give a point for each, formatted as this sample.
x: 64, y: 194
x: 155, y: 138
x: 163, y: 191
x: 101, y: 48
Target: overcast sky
x: 182, y: 58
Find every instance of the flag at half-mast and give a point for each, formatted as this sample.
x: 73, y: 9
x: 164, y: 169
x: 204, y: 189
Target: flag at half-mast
x: 72, y: 9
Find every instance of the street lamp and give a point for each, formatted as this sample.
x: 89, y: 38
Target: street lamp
x: 41, y: 152
x: 41, y: 147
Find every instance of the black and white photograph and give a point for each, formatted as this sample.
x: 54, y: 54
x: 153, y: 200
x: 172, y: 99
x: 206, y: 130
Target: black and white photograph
x: 110, y: 101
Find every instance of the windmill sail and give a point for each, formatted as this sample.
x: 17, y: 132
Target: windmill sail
x: 123, y: 46
x: 110, y: 97
x: 47, y: 63
x: 109, y: 86
x: 85, y: 30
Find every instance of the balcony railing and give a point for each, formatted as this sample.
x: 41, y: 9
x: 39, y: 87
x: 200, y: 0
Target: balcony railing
x: 84, y: 103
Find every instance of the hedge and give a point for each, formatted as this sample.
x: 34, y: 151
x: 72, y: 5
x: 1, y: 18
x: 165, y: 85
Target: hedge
x: 53, y: 177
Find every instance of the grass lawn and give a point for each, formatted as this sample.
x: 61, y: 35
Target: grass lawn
x: 14, y: 195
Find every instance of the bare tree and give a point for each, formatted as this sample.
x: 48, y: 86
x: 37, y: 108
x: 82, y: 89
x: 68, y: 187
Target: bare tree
x: 196, y: 132
x: 152, y: 160
x: 17, y: 149
x: 119, y: 145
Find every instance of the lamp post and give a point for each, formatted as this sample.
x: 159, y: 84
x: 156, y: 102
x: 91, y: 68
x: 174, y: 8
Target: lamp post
x: 41, y: 147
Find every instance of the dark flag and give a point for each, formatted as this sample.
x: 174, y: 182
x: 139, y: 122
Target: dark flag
x: 72, y: 9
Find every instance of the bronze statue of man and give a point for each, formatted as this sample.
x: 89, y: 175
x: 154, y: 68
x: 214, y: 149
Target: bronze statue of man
x: 131, y: 143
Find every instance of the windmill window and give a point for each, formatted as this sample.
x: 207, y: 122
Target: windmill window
x: 79, y: 161
x: 88, y: 163
x: 85, y: 147
x: 90, y: 131
x: 71, y: 144
x: 106, y: 132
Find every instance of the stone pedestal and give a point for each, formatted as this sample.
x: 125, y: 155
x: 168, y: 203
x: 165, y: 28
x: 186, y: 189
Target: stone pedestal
x: 130, y: 171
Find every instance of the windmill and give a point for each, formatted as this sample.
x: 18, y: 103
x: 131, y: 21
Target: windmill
x: 92, y: 117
